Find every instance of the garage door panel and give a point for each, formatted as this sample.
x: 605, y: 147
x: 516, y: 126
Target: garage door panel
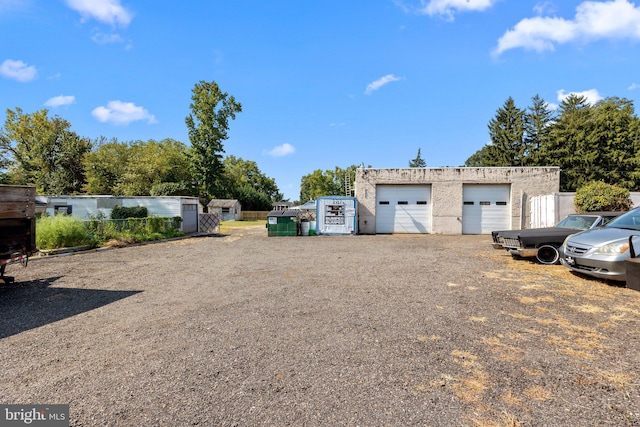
x: 403, y: 209
x: 485, y: 208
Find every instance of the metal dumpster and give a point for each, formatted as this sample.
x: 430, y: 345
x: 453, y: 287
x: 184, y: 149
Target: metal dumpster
x: 283, y: 223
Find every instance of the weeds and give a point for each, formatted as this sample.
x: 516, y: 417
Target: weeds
x: 65, y: 231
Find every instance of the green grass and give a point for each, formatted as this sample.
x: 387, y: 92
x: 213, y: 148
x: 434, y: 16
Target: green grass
x: 225, y: 226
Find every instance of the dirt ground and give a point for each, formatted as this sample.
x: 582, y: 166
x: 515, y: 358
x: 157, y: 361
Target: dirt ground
x: 250, y: 330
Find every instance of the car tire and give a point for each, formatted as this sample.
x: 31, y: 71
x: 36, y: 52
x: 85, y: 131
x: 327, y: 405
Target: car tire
x: 548, y: 255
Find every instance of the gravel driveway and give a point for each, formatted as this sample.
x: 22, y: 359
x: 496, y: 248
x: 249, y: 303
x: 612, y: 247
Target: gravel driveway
x: 248, y: 330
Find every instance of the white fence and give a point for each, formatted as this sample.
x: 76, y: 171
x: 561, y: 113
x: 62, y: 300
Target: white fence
x: 548, y: 210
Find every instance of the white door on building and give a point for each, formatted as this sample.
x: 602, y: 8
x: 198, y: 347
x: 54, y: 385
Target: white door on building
x: 403, y: 209
x: 485, y: 208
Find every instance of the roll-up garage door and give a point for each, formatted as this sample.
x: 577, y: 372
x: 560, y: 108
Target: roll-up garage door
x: 485, y: 208
x: 403, y: 209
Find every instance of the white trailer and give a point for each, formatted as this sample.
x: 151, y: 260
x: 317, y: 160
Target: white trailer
x: 336, y: 215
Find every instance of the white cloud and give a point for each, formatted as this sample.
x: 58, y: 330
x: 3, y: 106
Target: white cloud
x: 282, y: 150
x: 633, y: 86
x: 122, y: 113
x: 103, y: 38
x: 107, y: 11
x: 614, y: 19
x: 373, y: 86
x: 592, y: 95
x: 58, y: 101
x: 18, y: 70
x: 448, y: 8
x: 543, y: 8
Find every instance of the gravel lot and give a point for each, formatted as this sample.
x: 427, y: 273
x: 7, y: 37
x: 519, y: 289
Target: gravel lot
x: 248, y: 330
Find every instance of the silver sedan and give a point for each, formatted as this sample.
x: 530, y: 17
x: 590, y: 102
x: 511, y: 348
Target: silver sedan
x: 601, y: 252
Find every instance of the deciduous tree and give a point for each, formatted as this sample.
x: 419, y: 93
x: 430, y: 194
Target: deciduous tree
x: 208, y: 125
x: 43, y: 151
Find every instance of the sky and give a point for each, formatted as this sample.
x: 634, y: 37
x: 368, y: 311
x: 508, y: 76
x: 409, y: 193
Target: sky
x: 322, y: 83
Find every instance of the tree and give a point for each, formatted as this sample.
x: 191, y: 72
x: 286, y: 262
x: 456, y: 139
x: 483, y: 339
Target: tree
x: 538, y: 121
x: 327, y: 183
x: 151, y: 163
x: 566, y: 146
x: 42, y: 151
x: 506, y: 131
x: 507, y: 147
x: 136, y: 168
x: 240, y: 172
x: 105, y: 167
x: 613, y: 140
x: 208, y: 126
x: 251, y: 199
x: 418, y: 162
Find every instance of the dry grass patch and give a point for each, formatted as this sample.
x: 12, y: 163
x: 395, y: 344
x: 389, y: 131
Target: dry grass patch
x: 510, y: 399
x: 533, y: 287
x: 478, y: 319
x: 530, y: 300
x: 424, y: 338
x: 617, y: 379
x: 579, y: 354
x: 464, y: 358
x: 471, y: 389
x: 518, y: 316
x: 557, y: 341
x: 506, y: 352
x: 504, y: 420
x: 538, y: 393
x: 533, y: 372
x: 586, y: 308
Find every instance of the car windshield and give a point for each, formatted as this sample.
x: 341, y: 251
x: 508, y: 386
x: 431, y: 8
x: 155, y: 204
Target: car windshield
x: 579, y: 222
x: 629, y: 220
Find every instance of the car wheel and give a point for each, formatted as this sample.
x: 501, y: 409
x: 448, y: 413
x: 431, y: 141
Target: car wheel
x: 548, y: 254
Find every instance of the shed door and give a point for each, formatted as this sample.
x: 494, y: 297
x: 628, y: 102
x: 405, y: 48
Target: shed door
x: 485, y: 208
x: 189, y: 218
x: 403, y: 209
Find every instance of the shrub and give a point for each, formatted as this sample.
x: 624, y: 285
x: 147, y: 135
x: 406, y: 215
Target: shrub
x: 599, y: 196
x: 122, y: 212
x: 60, y: 231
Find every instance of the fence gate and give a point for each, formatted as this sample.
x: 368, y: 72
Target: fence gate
x: 543, y: 211
x: 209, y: 222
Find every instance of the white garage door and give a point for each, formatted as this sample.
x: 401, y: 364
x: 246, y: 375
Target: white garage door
x: 403, y: 209
x: 485, y: 208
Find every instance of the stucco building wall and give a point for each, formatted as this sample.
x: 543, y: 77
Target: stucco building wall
x: 447, y: 191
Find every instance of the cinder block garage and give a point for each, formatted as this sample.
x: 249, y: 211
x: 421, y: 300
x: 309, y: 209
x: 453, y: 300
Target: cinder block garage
x: 449, y: 200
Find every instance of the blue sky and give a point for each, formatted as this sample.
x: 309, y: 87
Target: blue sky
x: 322, y: 83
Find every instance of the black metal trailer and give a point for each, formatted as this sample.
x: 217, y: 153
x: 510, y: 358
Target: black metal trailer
x: 17, y: 227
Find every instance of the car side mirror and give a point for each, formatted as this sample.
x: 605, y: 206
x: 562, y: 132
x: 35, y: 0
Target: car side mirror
x: 632, y: 251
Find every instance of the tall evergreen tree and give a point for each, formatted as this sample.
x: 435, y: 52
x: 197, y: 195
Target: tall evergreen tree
x: 506, y: 131
x: 567, y: 143
x: 418, y: 162
x: 538, y: 121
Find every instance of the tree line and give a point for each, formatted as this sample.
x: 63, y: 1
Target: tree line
x: 589, y: 142
x: 39, y: 150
